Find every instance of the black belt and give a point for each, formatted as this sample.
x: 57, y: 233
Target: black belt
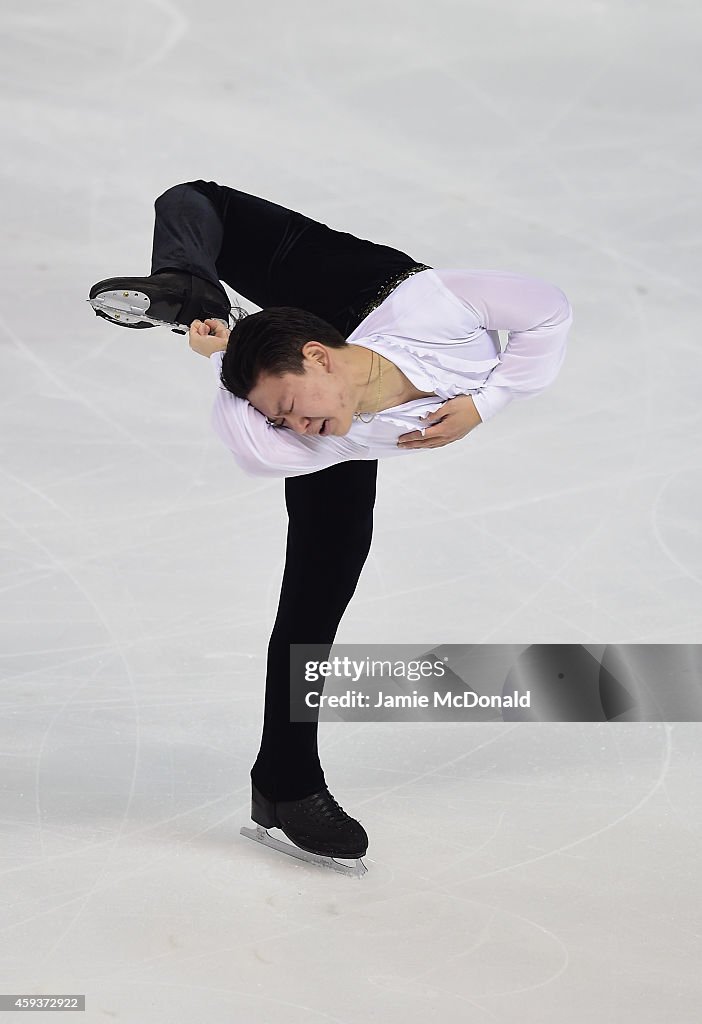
x: 390, y: 285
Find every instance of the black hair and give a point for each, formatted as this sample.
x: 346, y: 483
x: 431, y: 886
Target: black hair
x: 271, y: 342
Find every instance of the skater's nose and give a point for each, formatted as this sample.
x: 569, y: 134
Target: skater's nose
x: 302, y: 425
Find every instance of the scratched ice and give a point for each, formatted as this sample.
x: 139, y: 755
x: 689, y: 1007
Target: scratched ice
x: 541, y: 873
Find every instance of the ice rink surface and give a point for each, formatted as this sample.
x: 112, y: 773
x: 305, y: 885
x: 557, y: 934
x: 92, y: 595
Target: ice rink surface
x: 534, y: 873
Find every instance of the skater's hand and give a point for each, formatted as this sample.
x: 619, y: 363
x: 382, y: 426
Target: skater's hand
x: 452, y: 421
x: 208, y: 336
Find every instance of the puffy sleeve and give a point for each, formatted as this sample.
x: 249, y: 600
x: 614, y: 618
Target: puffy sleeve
x: 538, y: 317
x: 263, y: 450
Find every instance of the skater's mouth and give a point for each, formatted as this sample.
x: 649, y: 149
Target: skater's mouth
x: 323, y: 428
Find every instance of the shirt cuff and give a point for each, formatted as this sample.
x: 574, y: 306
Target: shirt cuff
x: 216, y: 364
x: 490, y: 399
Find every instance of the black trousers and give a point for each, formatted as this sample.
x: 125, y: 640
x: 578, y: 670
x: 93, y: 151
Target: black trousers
x: 273, y: 256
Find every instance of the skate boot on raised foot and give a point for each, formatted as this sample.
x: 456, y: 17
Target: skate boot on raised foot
x: 171, y: 298
x: 320, y: 829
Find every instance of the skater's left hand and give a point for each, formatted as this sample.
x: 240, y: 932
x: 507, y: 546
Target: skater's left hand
x: 450, y: 422
x: 208, y: 336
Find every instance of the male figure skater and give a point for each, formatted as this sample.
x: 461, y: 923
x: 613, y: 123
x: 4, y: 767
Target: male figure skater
x: 358, y: 352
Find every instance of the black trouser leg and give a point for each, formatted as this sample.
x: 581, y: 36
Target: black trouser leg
x: 188, y: 234
x: 329, y: 537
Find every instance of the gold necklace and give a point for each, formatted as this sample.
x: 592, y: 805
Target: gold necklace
x: 357, y: 415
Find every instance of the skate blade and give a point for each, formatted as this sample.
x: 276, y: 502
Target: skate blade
x: 260, y: 835
x: 130, y: 308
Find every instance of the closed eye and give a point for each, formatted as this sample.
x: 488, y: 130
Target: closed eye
x: 276, y: 424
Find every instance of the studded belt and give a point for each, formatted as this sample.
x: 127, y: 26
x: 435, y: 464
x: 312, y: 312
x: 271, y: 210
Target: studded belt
x: 389, y: 286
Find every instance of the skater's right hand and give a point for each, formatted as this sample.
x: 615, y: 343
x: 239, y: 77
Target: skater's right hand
x: 208, y: 336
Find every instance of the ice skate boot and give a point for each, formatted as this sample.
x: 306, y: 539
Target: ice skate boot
x: 171, y: 298
x: 320, y: 829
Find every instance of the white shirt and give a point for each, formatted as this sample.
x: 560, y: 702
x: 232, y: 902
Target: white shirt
x: 440, y: 328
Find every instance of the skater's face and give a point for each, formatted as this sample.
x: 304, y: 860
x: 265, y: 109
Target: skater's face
x: 322, y: 400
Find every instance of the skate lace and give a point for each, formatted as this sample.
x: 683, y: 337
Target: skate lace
x: 324, y: 807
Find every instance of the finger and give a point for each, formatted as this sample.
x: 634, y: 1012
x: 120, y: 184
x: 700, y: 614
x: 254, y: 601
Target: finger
x: 426, y: 441
x: 413, y: 435
x: 425, y: 444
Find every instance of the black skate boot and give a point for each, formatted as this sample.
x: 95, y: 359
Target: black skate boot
x: 173, y: 298
x: 320, y: 829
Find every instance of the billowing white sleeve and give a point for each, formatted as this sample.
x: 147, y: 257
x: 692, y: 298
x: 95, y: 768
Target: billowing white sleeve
x: 538, y: 317
x: 262, y: 450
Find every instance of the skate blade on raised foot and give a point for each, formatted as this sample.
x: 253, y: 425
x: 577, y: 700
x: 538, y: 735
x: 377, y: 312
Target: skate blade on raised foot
x: 129, y: 308
x: 260, y: 835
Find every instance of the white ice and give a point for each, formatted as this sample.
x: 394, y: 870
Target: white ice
x: 540, y: 874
